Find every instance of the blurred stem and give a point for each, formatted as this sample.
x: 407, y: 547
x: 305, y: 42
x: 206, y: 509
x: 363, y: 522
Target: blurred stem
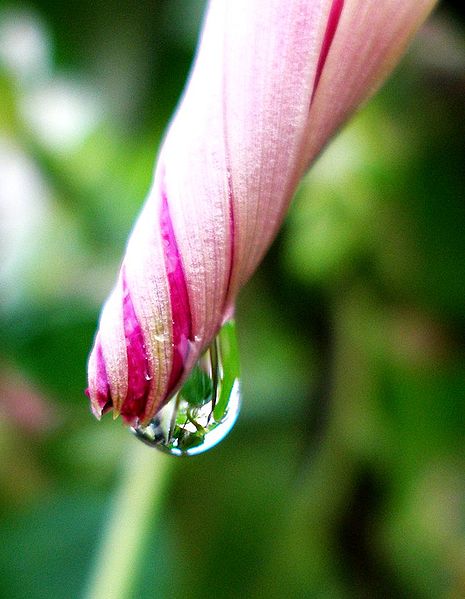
x: 135, y: 509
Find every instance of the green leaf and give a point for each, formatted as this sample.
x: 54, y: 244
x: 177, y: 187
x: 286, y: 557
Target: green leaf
x: 230, y: 362
x: 197, y: 389
x: 191, y: 440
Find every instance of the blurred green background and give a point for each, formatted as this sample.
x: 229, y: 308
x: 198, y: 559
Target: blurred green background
x: 345, y: 475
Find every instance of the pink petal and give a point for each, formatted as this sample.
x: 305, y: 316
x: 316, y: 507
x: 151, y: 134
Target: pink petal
x: 370, y: 39
x: 272, y: 81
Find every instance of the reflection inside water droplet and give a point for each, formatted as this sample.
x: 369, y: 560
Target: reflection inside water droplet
x: 205, y: 409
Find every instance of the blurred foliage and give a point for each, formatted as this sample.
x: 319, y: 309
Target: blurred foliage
x: 344, y: 476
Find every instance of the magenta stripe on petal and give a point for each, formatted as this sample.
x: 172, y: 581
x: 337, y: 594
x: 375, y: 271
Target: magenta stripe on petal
x: 103, y: 395
x: 231, y: 199
x: 139, y: 378
x: 179, y: 298
x: 331, y: 27
x: 231, y: 233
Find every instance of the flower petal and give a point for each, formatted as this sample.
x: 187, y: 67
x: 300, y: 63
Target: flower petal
x: 370, y: 38
x: 271, y: 83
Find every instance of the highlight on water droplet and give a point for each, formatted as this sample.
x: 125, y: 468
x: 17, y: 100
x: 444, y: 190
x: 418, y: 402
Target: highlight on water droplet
x: 206, y: 407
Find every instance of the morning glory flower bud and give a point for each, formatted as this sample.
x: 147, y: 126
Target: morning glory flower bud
x: 272, y: 81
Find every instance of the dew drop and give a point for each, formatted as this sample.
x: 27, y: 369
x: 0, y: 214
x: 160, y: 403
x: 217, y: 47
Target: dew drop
x: 205, y: 409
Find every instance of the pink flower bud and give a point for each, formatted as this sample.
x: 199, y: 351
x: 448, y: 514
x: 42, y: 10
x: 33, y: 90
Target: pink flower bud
x: 271, y: 82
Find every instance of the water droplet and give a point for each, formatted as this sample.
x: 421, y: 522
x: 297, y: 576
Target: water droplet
x: 205, y: 409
